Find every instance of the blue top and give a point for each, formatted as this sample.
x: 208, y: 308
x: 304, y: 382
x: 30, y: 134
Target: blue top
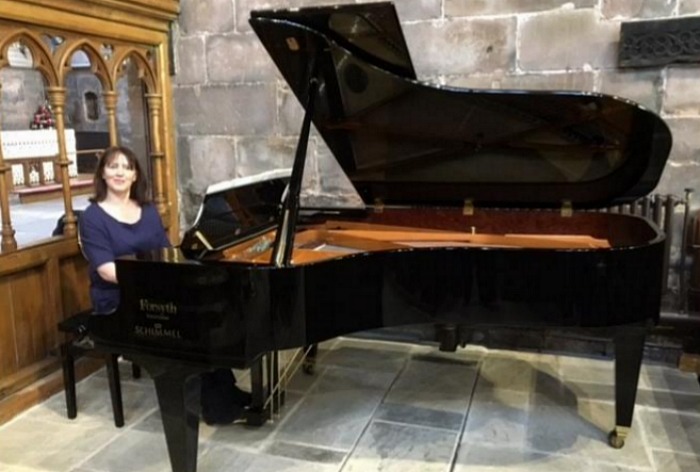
x: 104, y: 239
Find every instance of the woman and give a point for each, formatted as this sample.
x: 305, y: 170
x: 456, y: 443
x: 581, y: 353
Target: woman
x: 119, y: 221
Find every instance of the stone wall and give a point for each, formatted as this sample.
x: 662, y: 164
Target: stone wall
x: 235, y: 115
x: 22, y: 93
x: 78, y: 84
x: 23, y: 90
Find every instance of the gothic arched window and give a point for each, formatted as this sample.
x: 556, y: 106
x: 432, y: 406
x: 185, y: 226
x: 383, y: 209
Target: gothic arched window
x: 92, y: 106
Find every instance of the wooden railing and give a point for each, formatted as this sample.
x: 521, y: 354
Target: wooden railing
x: 44, y: 282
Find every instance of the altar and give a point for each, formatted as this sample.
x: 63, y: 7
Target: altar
x: 32, y: 156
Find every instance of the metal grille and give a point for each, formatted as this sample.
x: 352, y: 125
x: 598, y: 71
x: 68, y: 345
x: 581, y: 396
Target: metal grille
x: 672, y: 214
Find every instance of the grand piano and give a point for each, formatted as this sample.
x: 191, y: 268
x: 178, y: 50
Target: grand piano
x: 473, y: 211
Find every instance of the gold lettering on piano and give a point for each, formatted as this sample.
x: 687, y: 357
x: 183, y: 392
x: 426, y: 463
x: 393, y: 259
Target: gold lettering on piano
x: 158, y: 308
x: 156, y: 331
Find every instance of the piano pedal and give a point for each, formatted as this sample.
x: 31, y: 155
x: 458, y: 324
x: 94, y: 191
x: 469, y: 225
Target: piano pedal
x: 448, y: 337
x: 309, y: 366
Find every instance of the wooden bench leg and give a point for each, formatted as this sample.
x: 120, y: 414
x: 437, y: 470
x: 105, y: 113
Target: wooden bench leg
x: 115, y: 389
x: 68, y: 364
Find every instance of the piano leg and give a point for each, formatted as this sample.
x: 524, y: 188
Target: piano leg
x: 629, y: 350
x: 179, y: 390
x: 257, y: 414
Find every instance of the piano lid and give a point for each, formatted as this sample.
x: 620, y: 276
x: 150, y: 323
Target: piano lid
x: 236, y: 210
x: 406, y: 142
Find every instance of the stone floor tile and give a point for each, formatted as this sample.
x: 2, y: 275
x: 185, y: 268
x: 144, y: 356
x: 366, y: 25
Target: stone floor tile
x: 434, y: 383
x: 337, y: 409
x: 380, y: 406
x: 582, y: 391
x: 669, y: 400
x: 304, y: 452
x: 590, y: 370
x: 470, y: 353
x: 126, y: 374
x: 659, y: 377
x: 220, y: 458
x: 407, y: 414
x: 132, y: 451
x: 665, y: 461
x: 518, y: 374
x: 21, y: 468
x: 480, y: 458
x: 388, y: 447
x: 498, y: 417
x: 51, y: 445
x: 377, y: 356
x: 301, y: 382
x: 95, y: 404
x: 325, y: 347
x: 607, y: 467
x: 670, y: 431
x: 559, y: 427
x: 531, y: 357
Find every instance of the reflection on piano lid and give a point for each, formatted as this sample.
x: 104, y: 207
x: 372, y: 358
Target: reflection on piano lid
x: 405, y: 142
x: 236, y: 210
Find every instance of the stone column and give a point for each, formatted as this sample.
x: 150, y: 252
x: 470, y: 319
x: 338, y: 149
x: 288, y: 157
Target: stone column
x: 8, y: 234
x: 155, y: 103
x: 57, y: 98
x: 110, y: 100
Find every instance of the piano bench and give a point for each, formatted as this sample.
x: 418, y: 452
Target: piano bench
x: 78, y: 345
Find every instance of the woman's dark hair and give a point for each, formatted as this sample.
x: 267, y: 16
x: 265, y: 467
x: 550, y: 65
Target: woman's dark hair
x: 139, y: 189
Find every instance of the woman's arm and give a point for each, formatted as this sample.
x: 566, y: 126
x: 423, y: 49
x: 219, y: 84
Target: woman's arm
x: 157, y: 224
x: 108, y: 272
x: 96, y: 246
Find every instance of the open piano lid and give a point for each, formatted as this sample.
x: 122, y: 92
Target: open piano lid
x: 405, y: 142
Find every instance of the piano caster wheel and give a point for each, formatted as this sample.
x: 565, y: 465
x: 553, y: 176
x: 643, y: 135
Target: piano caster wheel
x: 617, y: 437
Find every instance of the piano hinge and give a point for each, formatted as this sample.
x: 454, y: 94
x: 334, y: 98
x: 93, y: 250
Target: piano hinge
x: 378, y: 205
x: 567, y: 209
x: 468, y: 208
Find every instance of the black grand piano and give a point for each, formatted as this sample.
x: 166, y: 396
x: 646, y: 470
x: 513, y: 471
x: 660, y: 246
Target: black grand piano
x: 473, y: 213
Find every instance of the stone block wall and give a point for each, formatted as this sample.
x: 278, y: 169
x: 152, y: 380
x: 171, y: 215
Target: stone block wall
x: 22, y: 93
x: 236, y: 116
x: 23, y: 90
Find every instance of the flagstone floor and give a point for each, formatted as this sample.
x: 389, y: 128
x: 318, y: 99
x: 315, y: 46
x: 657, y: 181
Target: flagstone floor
x: 379, y: 406
x: 34, y: 222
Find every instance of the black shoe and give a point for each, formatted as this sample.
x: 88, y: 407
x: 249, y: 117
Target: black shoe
x: 228, y: 416
x: 222, y: 401
x: 241, y: 397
